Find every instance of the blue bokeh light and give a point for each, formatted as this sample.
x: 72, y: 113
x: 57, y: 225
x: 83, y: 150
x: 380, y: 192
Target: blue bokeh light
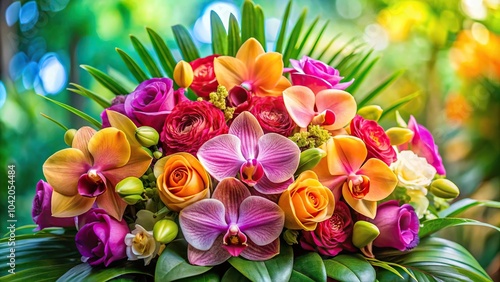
x: 202, y: 30
x: 30, y: 75
x: 28, y: 15
x: 52, y: 74
x: 3, y: 94
x: 12, y: 13
x: 17, y: 64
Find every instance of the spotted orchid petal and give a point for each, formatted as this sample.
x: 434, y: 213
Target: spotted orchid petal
x: 299, y: 102
x: 248, y: 130
x: 279, y: 157
x: 259, y: 253
x: 109, y: 148
x: 221, y: 156
x: 64, y: 206
x: 339, y: 102
x: 362, y: 206
x: 217, y: 254
x: 63, y: 170
x: 231, y: 192
x: 382, y: 179
x: 345, y: 154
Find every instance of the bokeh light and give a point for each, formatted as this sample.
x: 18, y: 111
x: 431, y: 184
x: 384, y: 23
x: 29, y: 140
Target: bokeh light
x: 12, y: 13
x: 202, y: 28
x: 28, y: 15
x: 3, y: 94
x: 52, y: 73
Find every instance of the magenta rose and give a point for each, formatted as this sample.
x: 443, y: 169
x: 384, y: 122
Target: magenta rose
x: 316, y: 75
x: 424, y: 146
x: 376, y: 140
x: 204, y: 81
x: 41, y: 210
x: 191, y: 124
x: 272, y: 115
x: 331, y: 236
x: 101, y: 238
x: 398, y: 226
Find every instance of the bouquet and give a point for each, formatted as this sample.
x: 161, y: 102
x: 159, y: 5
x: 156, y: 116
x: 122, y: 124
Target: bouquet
x: 246, y: 164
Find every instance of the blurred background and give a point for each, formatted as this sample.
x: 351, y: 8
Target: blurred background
x: 449, y: 49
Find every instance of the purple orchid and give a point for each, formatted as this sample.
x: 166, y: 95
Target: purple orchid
x: 232, y: 223
x: 264, y: 161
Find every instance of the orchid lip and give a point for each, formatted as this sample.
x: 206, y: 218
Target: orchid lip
x: 251, y: 172
x: 359, y: 186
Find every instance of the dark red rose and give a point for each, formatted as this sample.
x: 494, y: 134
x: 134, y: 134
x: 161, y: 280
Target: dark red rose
x: 204, y: 81
x: 376, y: 140
x: 272, y: 115
x: 190, y: 124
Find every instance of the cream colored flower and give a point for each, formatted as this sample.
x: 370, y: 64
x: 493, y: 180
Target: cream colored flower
x: 413, y: 172
x: 141, y: 245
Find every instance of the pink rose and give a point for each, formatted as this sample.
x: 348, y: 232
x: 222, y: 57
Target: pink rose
x: 191, y: 124
x: 272, y: 115
x: 41, y: 209
x: 204, y: 81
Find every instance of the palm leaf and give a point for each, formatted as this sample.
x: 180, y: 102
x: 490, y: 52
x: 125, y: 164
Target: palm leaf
x: 80, y: 90
x: 259, y: 29
x: 318, y: 39
x: 219, y: 36
x: 164, y: 54
x: 145, y: 57
x: 247, y: 20
x: 75, y: 111
x: 294, y: 38
x: 54, y: 121
x: 132, y: 66
x: 296, y: 51
x: 185, y: 42
x: 105, y: 80
x: 383, y: 85
x: 399, y: 103
x: 284, y: 22
x: 233, y: 37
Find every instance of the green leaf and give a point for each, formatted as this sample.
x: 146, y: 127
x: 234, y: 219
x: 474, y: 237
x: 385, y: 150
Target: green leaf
x: 465, y: 204
x: 358, y: 67
x: 349, y: 268
x: 173, y: 263
x: 386, y: 266
x: 233, y: 275
x: 90, y: 94
x: 318, y: 38
x: 145, y: 57
x: 304, y: 40
x: 282, y: 32
x: 85, y: 272
x: 233, y: 38
x: 380, y: 88
x: 185, y: 42
x: 294, y: 38
x: 278, y: 268
x: 435, y: 259
x: 164, y: 54
x: 431, y: 226
x: 399, y: 103
x: 75, y: 111
x: 54, y: 121
x: 105, y: 80
x: 247, y: 20
x: 210, y: 276
x: 219, y: 36
x: 308, y: 267
x: 341, y: 50
x: 132, y: 66
x: 327, y: 46
x: 259, y: 29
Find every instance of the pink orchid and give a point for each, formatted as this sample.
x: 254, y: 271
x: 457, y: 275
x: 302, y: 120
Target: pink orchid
x: 331, y: 108
x: 232, y: 223
x: 264, y: 161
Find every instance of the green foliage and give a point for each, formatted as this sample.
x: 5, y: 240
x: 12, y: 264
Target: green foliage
x: 80, y: 90
x: 233, y: 37
x: 465, y: 204
x: 219, y: 35
x: 132, y: 66
x: 75, y: 111
x: 164, y: 54
x: 431, y: 226
x: 352, y: 268
x: 185, y: 42
x: 145, y: 57
x: 105, y: 80
x: 85, y: 272
x: 308, y: 267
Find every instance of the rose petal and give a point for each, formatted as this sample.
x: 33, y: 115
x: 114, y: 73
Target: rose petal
x: 266, y: 186
x: 63, y: 170
x: 247, y: 129
x: 382, y: 179
x: 230, y: 71
x: 213, y: 256
x: 202, y: 222
x: 231, y: 192
x: 279, y: 157
x: 268, y: 70
x: 338, y: 101
x: 345, y: 154
x: 299, y: 102
x: 259, y: 253
x: 364, y: 207
x: 64, y: 206
x: 221, y: 156
x: 81, y: 141
x: 111, y: 202
x: 248, y: 53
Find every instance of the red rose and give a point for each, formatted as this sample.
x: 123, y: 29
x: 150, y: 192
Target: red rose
x: 272, y: 115
x: 190, y: 124
x: 376, y: 140
x: 332, y: 235
x: 204, y: 81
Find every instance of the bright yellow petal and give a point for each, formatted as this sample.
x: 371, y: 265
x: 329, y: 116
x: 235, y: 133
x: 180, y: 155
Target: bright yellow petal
x: 81, y: 141
x: 276, y: 91
x: 136, y: 166
x: 123, y: 123
x: 382, y: 180
x: 109, y: 148
x: 268, y: 70
x: 63, y: 170
x: 230, y: 71
x: 111, y: 202
x: 345, y: 154
x: 249, y: 52
x: 338, y: 101
x: 63, y: 206
x: 363, y: 206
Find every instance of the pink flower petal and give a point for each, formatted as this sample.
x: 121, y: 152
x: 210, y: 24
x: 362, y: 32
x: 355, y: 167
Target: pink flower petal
x: 299, y: 102
x: 213, y: 256
x: 259, y: 253
x: 221, y: 156
x: 279, y: 157
x: 266, y: 186
x: 231, y: 192
x: 316, y: 84
x: 248, y: 130
x: 338, y: 101
x: 202, y: 222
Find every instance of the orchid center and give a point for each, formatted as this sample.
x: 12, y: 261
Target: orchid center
x: 234, y: 240
x: 247, y: 85
x: 359, y: 186
x: 92, y: 174
x: 91, y: 184
x: 327, y: 117
x: 251, y: 172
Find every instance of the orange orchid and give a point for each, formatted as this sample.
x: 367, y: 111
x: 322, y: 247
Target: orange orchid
x: 362, y: 183
x: 87, y: 173
x: 254, y: 69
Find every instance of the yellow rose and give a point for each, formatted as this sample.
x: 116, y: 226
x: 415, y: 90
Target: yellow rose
x: 181, y: 180
x: 306, y: 202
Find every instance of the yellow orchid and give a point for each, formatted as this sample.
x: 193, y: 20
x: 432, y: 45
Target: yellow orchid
x: 257, y: 71
x: 345, y: 171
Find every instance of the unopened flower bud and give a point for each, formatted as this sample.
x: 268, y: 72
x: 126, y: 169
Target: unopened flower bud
x: 399, y: 135
x: 363, y: 233
x: 309, y: 159
x: 443, y: 188
x: 157, y: 155
x: 372, y: 112
x: 129, y: 186
x: 132, y: 199
x: 148, y: 151
x: 147, y: 136
x: 183, y: 74
x: 68, y: 136
x: 165, y: 231
x: 290, y: 236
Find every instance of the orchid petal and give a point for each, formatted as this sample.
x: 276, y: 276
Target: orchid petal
x: 230, y: 71
x: 202, y: 222
x: 279, y: 157
x: 248, y: 53
x: 299, y: 102
x: 268, y: 70
x: 362, y: 206
x: 221, y: 156
x: 333, y: 182
x: 123, y: 123
x: 261, y: 220
x: 63, y: 170
x: 64, y: 206
x: 314, y: 83
x: 382, y: 180
x: 259, y: 253
x: 136, y: 166
x: 213, y: 256
x: 109, y: 148
x: 266, y: 186
x: 246, y: 127
x: 338, y: 101
x: 277, y: 90
x: 81, y: 141
x: 345, y: 154
x: 231, y: 192
x: 111, y: 202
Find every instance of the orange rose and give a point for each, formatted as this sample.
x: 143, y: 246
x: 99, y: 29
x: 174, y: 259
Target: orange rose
x: 306, y: 202
x: 181, y: 180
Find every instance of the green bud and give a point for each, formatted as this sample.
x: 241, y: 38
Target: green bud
x: 363, y: 233
x: 157, y: 155
x: 132, y: 199
x: 165, y: 231
x: 372, y: 112
x: 443, y: 188
x: 148, y: 151
x: 129, y: 186
x: 309, y: 159
x: 399, y: 135
x: 68, y: 136
x: 290, y: 236
x: 147, y: 136
x: 400, y: 121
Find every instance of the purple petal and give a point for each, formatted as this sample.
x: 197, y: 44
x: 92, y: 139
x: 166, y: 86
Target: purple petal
x: 213, y: 256
x: 258, y: 253
x: 423, y: 144
x: 279, y: 157
x: 297, y: 66
x: 248, y: 130
x: 90, y: 188
x: 221, y: 156
x: 266, y: 186
x: 261, y: 220
x: 231, y: 192
x: 202, y: 222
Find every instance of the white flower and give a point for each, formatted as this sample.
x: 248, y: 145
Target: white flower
x: 141, y: 245
x: 413, y: 172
